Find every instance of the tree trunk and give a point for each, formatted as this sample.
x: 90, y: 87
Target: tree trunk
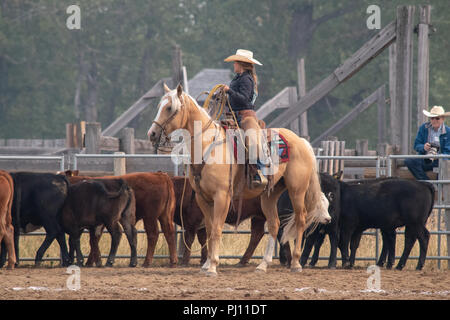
x: 303, y: 27
x: 81, y: 75
x: 92, y: 95
x: 115, y: 93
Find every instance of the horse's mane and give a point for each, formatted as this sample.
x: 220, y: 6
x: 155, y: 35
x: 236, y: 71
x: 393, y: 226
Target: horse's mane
x: 197, y: 105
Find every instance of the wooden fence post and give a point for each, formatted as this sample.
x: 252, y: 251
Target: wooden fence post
x: 404, y: 61
x: 301, y: 93
x: 362, y: 147
x: 119, y: 165
x: 324, y: 145
x: 294, y: 125
x: 342, y: 153
x: 126, y: 140
x: 423, y: 61
x: 381, y: 108
x: 445, y: 169
x: 177, y: 66
x: 70, y: 143
x: 93, y: 137
x: 395, y: 115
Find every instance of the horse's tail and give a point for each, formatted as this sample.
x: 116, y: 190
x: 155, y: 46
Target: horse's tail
x: 312, y: 200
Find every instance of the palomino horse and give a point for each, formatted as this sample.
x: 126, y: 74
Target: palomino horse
x: 216, y: 181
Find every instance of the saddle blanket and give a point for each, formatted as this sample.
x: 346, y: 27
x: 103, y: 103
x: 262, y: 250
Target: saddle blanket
x: 276, y: 142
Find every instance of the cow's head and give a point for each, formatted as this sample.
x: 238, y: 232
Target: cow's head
x: 69, y: 173
x: 331, y: 188
x: 338, y: 175
x: 320, y: 213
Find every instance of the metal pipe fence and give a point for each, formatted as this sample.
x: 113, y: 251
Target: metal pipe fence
x: 383, y: 167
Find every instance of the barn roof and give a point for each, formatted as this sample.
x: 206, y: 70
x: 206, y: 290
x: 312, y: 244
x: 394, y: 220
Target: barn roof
x: 206, y: 79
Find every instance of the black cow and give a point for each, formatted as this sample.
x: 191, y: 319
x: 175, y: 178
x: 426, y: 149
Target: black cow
x: 93, y: 204
x: 38, y: 200
x: 330, y: 187
x: 385, y: 203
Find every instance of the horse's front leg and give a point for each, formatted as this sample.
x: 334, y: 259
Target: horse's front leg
x: 217, y: 215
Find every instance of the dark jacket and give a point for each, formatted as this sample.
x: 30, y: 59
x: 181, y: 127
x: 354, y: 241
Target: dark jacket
x: 242, y: 90
x: 422, y: 138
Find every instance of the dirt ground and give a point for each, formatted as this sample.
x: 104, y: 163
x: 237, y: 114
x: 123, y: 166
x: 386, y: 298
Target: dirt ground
x: 231, y: 283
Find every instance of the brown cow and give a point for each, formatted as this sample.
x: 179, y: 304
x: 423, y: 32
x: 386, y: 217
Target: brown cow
x: 192, y: 221
x: 155, y: 200
x: 6, y: 227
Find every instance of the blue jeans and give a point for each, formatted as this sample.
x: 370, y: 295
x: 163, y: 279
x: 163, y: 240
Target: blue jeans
x: 418, y: 167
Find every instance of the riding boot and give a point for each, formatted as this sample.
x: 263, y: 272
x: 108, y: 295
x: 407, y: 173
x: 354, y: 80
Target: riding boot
x: 258, y: 180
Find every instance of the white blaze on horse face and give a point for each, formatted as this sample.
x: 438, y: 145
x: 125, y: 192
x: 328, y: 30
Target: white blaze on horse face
x: 164, y: 101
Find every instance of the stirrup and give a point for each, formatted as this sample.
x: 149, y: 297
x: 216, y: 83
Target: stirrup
x: 259, y: 180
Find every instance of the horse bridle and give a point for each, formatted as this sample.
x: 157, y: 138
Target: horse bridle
x: 163, y: 126
x: 167, y: 121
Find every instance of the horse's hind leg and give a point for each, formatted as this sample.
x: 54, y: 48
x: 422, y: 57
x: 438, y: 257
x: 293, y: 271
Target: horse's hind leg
x: 269, y: 207
x: 298, y: 204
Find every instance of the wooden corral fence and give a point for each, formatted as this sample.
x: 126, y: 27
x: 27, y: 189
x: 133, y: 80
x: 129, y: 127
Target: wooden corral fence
x: 398, y: 37
x: 88, y: 138
x: 442, y: 205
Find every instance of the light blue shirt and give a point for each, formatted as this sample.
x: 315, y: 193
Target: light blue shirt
x: 433, y: 137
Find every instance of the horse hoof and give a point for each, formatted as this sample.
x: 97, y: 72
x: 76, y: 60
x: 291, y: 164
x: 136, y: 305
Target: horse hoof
x: 299, y: 269
x: 211, y: 274
x: 261, y: 269
x: 240, y: 265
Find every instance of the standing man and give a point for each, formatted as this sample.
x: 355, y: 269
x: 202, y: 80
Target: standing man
x: 432, y: 138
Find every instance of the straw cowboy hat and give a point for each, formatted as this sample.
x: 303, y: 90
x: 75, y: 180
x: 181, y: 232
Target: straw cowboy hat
x: 244, y: 56
x: 436, y: 111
